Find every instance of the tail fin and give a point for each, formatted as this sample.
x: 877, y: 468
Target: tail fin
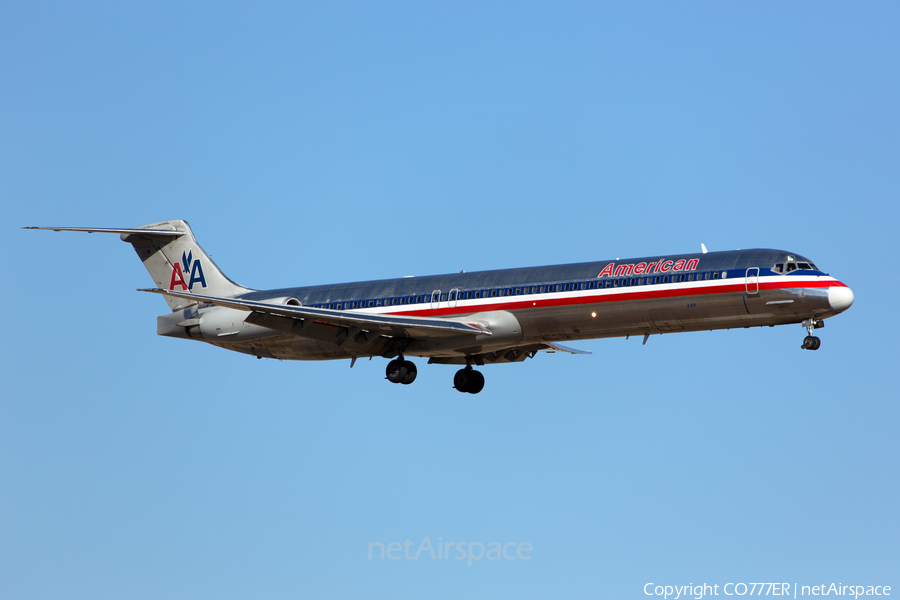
x: 179, y: 263
x: 174, y: 260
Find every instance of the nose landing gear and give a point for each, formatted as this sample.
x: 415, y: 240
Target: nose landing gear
x: 402, y: 371
x: 811, y: 342
x: 468, y: 380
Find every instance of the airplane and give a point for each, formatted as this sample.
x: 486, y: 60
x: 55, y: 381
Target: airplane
x: 479, y: 318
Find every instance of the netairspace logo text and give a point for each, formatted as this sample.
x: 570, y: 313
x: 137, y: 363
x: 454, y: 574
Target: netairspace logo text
x: 467, y: 551
x: 764, y: 589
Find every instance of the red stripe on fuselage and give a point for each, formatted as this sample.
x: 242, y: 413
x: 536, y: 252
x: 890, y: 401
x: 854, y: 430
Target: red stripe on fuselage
x: 643, y: 293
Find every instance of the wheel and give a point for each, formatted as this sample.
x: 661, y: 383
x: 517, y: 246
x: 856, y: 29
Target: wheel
x: 476, y: 382
x: 461, y: 380
x: 809, y: 343
x: 817, y: 343
x: 396, y: 371
x: 411, y: 372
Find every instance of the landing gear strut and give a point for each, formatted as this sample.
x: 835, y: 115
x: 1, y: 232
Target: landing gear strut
x: 401, y: 370
x: 468, y: 380
x: 811, y: 342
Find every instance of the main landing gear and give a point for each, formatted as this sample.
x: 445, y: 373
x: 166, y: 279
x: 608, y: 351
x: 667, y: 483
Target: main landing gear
x: 811, y: 342
x: 468, y: 380
x: 401, y: 370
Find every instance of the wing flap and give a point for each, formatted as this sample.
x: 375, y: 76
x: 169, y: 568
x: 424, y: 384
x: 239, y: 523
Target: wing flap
x: 506, y: 355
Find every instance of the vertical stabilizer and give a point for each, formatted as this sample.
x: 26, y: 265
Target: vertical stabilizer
x: 177, y: 262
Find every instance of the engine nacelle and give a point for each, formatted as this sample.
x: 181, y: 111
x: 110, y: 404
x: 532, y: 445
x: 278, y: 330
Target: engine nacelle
x: 216, y: 323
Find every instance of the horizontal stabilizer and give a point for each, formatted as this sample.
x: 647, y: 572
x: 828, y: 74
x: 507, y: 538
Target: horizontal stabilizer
x: 158, y: 232
x: 172, y: 256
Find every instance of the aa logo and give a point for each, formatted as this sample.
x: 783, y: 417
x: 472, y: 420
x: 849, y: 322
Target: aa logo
x: 187, y: 265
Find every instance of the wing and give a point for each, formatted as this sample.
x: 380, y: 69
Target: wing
x: 296, y: 319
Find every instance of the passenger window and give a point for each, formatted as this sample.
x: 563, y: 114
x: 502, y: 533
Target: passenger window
x: 716, y: 275
x: 371, y: 303
x: 493, y: 293
x: 656, y: 280
x: 665, y: 279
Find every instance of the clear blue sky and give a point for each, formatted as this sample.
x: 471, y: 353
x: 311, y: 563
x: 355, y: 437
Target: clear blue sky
x: 310, y: 144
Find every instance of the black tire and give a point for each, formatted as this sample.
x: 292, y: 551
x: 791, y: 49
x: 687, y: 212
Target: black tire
x: 817, y: 343
x: 461, y: 380
x: 396, y: 371
x: 808, y: 343
x: 476, y: 382
x: 411, y: 372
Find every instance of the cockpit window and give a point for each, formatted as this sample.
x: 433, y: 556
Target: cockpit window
x: 805, y: 265
x: 779, y: 268
x: 791, y: 266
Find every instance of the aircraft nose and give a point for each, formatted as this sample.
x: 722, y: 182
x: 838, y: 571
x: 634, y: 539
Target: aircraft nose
x: 840, y: 298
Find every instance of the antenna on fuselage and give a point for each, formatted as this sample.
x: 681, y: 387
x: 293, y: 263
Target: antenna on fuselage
x: 703, y: 247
